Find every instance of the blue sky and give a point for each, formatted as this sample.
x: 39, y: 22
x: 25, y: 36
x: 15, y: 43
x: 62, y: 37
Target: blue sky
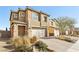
x: 53, y: 11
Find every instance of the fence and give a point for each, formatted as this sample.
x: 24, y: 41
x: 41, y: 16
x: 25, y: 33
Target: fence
x: 5, y: 34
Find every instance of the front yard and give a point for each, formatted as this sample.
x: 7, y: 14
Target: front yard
x: 52, y: 44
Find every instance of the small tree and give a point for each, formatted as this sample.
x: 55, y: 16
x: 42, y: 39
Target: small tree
x: 6, y: 29
x: 64, y: 23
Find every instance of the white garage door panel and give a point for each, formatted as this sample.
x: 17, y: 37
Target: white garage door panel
x: 38, y: 32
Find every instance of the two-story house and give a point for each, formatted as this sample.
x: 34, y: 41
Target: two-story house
x: 28, y: 22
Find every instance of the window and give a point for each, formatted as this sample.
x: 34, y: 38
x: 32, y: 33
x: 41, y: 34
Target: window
x: 51, y: 23
x: 45, y: 18
x: 15, y: 16
x: 22, y: 14
x: 22, y: 17
x: 34, y: 16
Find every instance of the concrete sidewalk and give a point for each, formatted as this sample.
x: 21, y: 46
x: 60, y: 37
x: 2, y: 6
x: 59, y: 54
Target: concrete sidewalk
x: 74, y: 48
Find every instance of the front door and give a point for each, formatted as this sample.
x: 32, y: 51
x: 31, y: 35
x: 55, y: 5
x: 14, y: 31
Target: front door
x: 21, y: 30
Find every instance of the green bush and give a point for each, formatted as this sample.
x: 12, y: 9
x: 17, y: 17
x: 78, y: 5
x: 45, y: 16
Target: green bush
x: 61, y: 37
x: 33, y: 39
x: 67, y: 39
x: 41, y: 46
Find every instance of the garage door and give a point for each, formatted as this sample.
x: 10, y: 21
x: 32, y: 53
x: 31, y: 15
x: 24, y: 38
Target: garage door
x: 38, y: 32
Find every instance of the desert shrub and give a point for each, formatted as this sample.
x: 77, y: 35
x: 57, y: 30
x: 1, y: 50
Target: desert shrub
x: 67, y: 39
x: 61, y: 37
x: 41, y: 46
x: 21, y: 44
x: 17, y: 42
x: 70, y: 40
x: 33, y: 39
x: 26, y: 41
x: 25, y: 44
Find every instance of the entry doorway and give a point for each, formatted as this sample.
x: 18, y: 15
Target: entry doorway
x: 21, y: 30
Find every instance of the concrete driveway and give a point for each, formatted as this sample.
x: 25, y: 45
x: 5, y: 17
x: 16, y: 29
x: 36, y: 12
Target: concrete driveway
x: 57, y: 45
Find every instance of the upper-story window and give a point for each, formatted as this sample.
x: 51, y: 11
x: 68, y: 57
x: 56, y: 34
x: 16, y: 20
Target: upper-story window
x: 45, y: 18
x: 15, y: 16
x: 51, y: 23
x: 22, y: 14
x: 35, y: 16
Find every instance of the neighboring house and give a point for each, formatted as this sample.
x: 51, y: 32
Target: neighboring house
x: 70, y: 31
x: 52, y: 29
x: 73, y: 31
x: 76, y: 31
x: 31, y: 23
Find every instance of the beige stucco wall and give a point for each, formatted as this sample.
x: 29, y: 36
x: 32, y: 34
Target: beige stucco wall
x: 43, y: 23
x: 50, y: 23
x: 32, y: 23
x: 35, y: 23
x: 29, y: 17
x: 15, y: 33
